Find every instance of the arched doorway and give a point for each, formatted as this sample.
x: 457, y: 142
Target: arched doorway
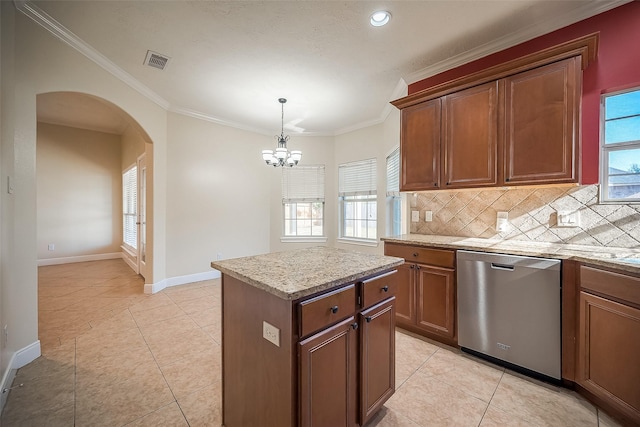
x: 85, y: 145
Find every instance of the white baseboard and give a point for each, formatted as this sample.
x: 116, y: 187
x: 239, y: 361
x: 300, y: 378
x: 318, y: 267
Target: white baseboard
x: 152, y: 288
x: 79, y: 258
x: 19, y: 359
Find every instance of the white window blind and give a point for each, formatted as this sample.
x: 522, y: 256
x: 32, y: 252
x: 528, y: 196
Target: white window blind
x: 357, y: 178
x: 129, y: 207
x: 393, y: 173
x: 303, y: 184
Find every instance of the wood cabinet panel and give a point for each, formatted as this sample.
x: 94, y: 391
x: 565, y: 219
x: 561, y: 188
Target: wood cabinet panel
x: 609, y: 354
x: 470, y: 137
x: 541, y: 116
x: 379, y: 288
x: 420, y: 146
x: 328, y: 376
x: 421, y: 255
x: 436, y: 300
x: 405, y: 295
x: 323, y: 310
x: 619, y: 286
x: 377, y: 357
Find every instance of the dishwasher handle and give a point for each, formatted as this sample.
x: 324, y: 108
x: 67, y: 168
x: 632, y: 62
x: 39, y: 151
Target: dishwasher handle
x: 503, y: 267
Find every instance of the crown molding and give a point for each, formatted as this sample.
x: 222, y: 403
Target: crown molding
x: 527, y: 33
x: 41, y: 18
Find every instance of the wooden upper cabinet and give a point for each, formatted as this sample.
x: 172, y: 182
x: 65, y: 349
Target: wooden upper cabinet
x: 470, y: 137
x: 541, y: 119
x: 420, y: 146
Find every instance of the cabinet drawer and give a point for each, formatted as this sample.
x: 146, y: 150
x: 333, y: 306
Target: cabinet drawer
x: 621, y: 286
x: 323, y: 310
x: 437, y: 257
x: 379, y: 288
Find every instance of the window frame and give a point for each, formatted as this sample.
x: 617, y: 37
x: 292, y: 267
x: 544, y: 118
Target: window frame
x: 394, y: 199
x: 311, y: 191
x: 606, y: 149
x: 363, y: 190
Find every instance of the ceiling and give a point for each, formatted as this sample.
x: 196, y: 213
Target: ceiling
x: 230, y: 61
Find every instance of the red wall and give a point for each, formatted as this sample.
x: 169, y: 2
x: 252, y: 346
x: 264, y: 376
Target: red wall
x: 617, y: 67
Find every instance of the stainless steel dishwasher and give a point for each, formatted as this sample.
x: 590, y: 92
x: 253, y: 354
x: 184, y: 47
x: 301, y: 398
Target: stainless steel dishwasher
x: 509, y: 309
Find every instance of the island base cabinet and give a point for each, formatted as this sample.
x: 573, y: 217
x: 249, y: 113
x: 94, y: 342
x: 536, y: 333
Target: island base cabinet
x: 328, y: 376
x: 609, y: 354
x: 377, y: 358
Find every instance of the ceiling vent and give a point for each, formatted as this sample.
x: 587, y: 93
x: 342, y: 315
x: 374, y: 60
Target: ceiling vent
x: 156, y: 60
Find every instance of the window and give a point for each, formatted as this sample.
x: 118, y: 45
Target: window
x: 129, y: 207
x: 394, y: 201
x: 358, y: 200
x: 620, y: 142
x: 303, y: 201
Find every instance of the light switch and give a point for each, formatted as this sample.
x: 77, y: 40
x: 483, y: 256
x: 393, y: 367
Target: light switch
x: 415, y: 216
x: 428, y: 216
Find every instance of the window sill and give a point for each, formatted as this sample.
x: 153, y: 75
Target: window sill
x: 303, y: 239
x: 361, y: 242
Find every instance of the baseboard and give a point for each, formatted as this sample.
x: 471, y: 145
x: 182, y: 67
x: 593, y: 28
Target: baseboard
x: 79, y: 258
x: 152, y: 288
x: 19, y: 359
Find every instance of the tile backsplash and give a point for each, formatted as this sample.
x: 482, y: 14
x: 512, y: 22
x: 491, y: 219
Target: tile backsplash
x: 532, y: 215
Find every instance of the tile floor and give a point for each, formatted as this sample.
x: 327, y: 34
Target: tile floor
x: 113, y: 356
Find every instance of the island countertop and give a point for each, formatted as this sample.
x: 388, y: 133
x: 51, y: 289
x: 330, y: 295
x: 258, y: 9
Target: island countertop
x: 291, y: 275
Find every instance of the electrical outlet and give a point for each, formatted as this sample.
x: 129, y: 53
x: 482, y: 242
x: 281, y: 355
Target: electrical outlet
x: 502, y: 221
x: 568, y: 219
x: 219, y: 256
x: 428, y: 216
x: 51, y: 246
x: 6, y: 335
x: 415, y: 216
x: 271, y: 333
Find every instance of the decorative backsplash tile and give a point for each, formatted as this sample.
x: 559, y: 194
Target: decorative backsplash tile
x: 532, y: 215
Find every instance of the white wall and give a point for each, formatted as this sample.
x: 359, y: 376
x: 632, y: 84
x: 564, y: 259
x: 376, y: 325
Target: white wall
x: 372, y: 142
x: 79, y: 192
x: 218, y: 194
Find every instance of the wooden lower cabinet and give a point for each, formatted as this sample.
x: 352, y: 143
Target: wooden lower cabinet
x: 328, y: 376
x: 608, y: 342
x: 377, y: 357
x: 426, y: 291
x: 435, y: 288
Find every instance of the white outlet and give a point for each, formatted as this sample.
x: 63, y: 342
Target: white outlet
x: 415, y: 216
x: 51, y: 246
x: 502, y: 221
x: 219, y: 256
x: 6, y: 335
x: 271, y: 333
x: 568, y: 219
x: 428, y: 216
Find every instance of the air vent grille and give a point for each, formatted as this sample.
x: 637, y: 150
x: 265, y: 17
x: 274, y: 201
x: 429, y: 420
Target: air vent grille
x: 156, y: 60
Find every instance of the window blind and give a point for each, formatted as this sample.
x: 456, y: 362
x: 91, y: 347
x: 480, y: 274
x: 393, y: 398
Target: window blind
x: 129, y: 207
x: 393, y: 173
x: 357, y: 178
x: 303, y: 184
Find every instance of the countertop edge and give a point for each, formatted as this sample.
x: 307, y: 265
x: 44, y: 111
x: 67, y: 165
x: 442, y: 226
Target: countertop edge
x: 556, y: 251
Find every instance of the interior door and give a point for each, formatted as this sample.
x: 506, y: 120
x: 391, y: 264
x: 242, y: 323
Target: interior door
x: 142, y: 216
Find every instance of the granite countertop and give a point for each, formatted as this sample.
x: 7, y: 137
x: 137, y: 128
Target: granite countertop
x: 295, y: 274
x: 624, y: 259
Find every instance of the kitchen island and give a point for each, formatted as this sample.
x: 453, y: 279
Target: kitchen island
x: 307, y: 337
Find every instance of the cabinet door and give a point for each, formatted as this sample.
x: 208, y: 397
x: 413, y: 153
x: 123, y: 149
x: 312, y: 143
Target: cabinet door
x: 328, y: 367
x: 377, y: 357
x: 542, y: 125
x: 470, y: 137
x: 609, y: 353
x: 405, y: 295
x: 420, y: 146
x: 436, y: 300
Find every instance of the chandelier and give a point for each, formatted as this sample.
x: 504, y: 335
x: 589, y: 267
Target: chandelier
x: 282, y: 157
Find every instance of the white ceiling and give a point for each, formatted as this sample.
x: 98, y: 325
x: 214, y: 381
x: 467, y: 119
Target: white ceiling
x: 232, y: 60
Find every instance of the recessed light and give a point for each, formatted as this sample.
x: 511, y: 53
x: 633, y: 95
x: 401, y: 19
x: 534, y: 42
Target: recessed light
x: 380, y: 18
